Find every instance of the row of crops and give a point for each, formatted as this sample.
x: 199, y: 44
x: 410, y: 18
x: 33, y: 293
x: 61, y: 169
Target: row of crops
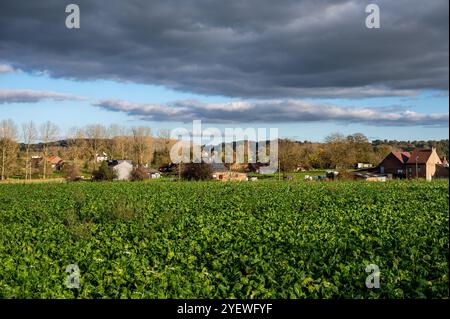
x: 224, y: 240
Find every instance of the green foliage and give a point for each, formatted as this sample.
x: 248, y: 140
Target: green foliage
x: 224, y: 240
x: 103, y: 173
x: 161, y: 158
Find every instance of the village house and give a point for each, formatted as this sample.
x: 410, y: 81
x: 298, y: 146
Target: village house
x: 122, y: 168
x: 221, y: 173
x: 55, y: 162
x: 394, y: 164
x: 420, y: 163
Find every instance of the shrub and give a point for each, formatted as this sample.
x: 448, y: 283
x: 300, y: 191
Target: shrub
x: 103, y: 173
x: 71, y: 172
x: 138, y: 173
x: 197, y: 171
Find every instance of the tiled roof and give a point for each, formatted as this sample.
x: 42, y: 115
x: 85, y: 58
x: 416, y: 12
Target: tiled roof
x: 54, y: 159
x: 419, y: 156
x: 402, y: 156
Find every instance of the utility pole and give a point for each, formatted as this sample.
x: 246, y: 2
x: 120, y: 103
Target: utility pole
x: 417, y: 171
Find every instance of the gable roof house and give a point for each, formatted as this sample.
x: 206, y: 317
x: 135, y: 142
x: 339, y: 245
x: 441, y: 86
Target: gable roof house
x: 122, y: 168
x: 56, y: 162
x: 424, y: 161
x: 394, y: 164
x: 420, y: 163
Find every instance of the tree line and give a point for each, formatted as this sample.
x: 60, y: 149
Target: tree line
x: 80, y: 147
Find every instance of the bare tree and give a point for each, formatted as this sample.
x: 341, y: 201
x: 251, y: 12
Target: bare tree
x: 336, y: 151
x: 120, y: 144
x: 288, y: 155
x: 8, y: 146
x: 142, y: 144
x: 29, y: 134
x: 96, y: 135
x: 359, y: 149
x: 164, y: 136
x: 48, y: 133
x: 161, y: 148
x: 76, y: 143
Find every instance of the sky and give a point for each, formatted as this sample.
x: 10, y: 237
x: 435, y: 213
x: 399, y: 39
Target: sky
x: 309, y: 68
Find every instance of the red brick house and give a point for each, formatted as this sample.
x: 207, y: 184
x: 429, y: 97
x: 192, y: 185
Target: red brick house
x: 394, y: 164
x: 420, y: 163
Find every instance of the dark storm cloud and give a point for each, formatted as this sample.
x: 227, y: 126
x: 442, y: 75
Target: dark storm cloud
x: 272, y: 111
x: 249, y: 49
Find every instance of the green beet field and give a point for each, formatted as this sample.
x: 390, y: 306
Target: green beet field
x: 224, y: 240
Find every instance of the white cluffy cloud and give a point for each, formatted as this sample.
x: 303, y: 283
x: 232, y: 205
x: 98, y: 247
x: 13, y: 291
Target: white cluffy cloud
x: 4, y: 68
x: 31, y: 96
x: 272, y: 111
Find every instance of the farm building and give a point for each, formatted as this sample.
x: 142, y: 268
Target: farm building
x: 420, y: 163
x: 370, y: 177
x: 221, y: 173
x: 56, y: 162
